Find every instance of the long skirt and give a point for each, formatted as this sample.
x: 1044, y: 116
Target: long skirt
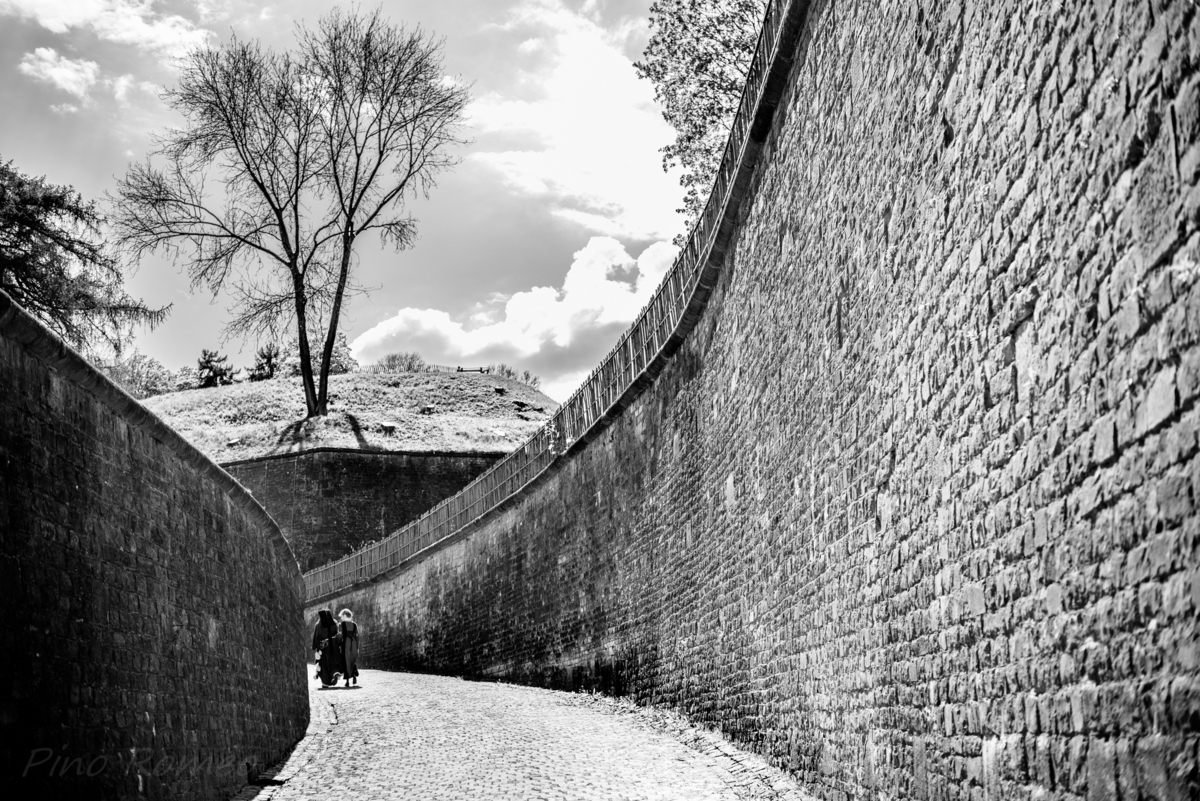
x: 329, y: 665
x: 350, y: 662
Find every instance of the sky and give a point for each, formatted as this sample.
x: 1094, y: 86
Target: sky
x: 538, y: 250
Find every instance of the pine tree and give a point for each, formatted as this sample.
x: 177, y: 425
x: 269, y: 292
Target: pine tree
x: 266, y: 363
x: 53, y: 266
x: 213, y: 369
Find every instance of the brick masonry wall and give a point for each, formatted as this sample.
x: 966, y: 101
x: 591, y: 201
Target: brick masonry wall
x: 913, y: 510
x: 330, y: 501
x: 152, y: 648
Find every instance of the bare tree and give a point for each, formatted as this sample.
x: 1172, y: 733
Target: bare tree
x: 389, y: 113
x: 314, y: 149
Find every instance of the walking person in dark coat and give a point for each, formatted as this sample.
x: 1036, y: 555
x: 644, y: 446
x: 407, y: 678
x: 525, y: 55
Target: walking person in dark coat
x: 348, y: 630
x: 329, y: 649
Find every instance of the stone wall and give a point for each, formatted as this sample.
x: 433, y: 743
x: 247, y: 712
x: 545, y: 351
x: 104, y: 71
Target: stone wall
x: 913, y: 510
x: 329, y: 501
x: 153, y: 648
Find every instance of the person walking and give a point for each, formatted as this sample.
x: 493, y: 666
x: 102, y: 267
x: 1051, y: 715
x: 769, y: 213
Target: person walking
x: 348, y: 630
x: 329, y: 650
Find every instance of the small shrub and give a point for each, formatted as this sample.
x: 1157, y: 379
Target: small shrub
x: 138, y: 374
x: 406, y: 361
x: 504, y: 371
x: 183, y: 379
x: 340, y: 362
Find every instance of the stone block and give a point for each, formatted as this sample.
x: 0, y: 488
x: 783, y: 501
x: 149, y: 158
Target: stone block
x: 1158, y: 401
x: 1101, y: 771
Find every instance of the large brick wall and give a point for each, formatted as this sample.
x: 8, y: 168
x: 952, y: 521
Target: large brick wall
x: 329, y: 501
x: 913, y: 510
x: 153, y: 641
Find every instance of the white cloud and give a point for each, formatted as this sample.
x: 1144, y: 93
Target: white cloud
x: 596, y: 125
x: 558, y: 333
x: 75, y: 76
x: 120, y: 88
x: 123, y: 84
x: 78, y: 76
x: 133, y: 22
x: 214, y: 10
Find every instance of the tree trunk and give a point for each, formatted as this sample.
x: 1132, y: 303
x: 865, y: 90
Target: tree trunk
x: 331, y: 334
x: 310, y: 395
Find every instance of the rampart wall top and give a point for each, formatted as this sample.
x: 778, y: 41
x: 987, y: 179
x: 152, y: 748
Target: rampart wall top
x: 272, y: 457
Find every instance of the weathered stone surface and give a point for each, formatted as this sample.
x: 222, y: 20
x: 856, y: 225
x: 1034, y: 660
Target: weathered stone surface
x: 329, y: 501
x: 893, y: 517
x: 152, y: 648
x: 406, y: 737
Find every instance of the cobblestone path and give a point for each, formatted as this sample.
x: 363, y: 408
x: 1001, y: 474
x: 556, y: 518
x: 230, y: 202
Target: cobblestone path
x: 408, y: 736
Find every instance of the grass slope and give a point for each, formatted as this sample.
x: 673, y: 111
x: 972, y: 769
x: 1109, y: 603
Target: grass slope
x: 369, y: 411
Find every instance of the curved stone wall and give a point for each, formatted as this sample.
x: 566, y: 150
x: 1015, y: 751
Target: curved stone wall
x: 329, y: 501
x: 154, y: 643
x: 913, y: 508
x: 639, y: 355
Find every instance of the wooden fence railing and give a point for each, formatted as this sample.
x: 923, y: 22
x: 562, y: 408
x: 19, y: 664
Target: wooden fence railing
x: 639, y: 355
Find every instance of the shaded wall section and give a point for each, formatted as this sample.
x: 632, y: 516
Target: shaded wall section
x: 154, y: 641
x: 330, y: 501
x: 913, y: 510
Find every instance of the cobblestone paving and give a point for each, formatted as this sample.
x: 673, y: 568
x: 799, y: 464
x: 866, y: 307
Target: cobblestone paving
x: 408, y: 736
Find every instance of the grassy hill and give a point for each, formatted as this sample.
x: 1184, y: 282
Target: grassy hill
x: 434, y: 411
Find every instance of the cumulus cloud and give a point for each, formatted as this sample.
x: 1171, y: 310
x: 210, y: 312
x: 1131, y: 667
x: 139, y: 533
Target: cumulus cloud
x: 76, y: 76
x: 214, y: 10
x: 560, y: 334
x: 593, y: 128
x: 120, y: 88
x: 133, y: 22
x: 123, y: 84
